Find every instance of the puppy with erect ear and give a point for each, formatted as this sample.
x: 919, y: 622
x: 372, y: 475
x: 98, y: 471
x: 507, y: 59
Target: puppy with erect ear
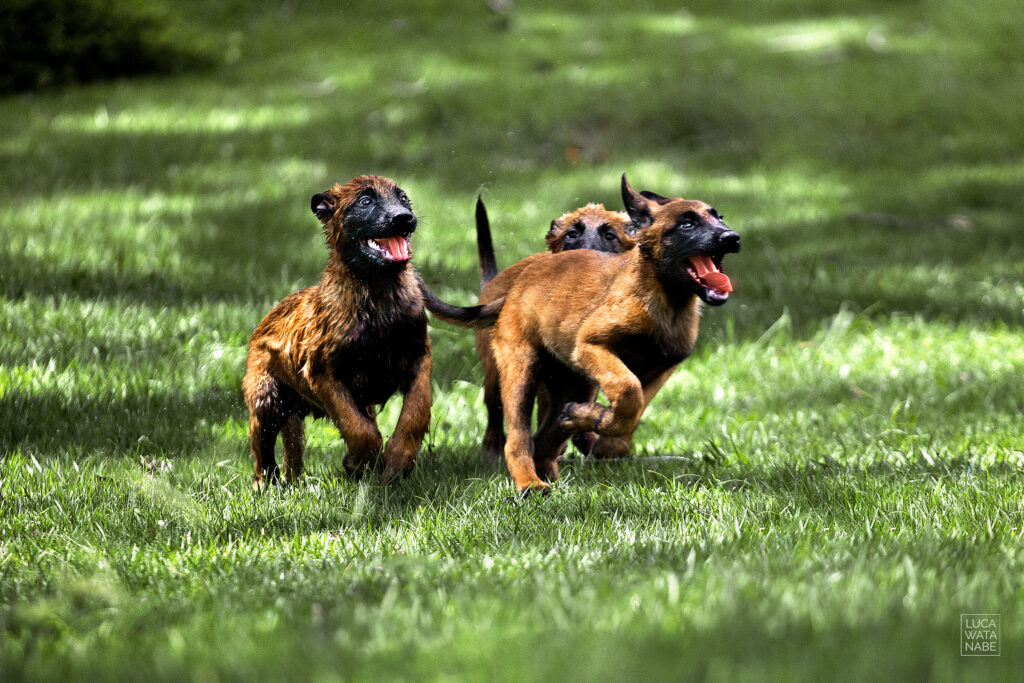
x: 341, y: 348
x: 580, y: 321
x: 589, y: 227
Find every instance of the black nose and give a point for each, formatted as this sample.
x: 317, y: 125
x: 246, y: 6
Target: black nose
x: 404, y: 220
x: 730, y: 240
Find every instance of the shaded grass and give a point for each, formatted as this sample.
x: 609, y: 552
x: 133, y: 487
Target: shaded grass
x: 845, y: 446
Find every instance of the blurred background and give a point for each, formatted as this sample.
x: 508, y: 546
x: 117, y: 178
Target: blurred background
x: 869, y: 152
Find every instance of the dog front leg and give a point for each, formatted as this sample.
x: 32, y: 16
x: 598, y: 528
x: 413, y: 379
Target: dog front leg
x: 413, y: 421
x: 518, y: 390
x: 357, y: 429
x: 615, y: 423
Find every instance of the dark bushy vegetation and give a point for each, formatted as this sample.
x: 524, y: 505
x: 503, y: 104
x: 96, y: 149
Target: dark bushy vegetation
x: 52, y: 42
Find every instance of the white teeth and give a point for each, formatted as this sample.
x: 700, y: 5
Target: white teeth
x: 376, y: 246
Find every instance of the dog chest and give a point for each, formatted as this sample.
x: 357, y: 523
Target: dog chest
x: 379, y: 358
x: 646, y: 357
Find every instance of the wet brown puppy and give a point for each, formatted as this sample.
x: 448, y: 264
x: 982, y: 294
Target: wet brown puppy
x: 589, y: 227
x: 341, y: 348
x: 580, y: 320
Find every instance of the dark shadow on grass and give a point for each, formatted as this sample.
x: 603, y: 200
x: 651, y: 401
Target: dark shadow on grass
x: 230, y: 255
x: 158, y: 422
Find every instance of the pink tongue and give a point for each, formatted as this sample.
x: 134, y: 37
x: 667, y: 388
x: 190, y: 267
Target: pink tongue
x: 397, y: 247
x: 710, y: 275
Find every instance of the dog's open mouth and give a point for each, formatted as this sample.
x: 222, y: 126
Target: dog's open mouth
x: 712, y: 284
x: 390, y: 248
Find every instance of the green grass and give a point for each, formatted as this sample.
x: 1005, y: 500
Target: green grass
x: 845, y: 448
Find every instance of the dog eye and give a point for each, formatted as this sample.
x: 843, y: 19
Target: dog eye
x: 403, y: 197
x: 687, y: 220
x: 609, y: 235
x: 366, y: 200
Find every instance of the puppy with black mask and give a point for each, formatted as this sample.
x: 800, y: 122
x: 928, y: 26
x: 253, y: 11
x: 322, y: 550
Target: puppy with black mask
x: 342, y: 348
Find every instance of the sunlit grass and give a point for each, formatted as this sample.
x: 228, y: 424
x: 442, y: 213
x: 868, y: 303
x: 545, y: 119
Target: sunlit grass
x: 184, y: 120
x: 821, y: 490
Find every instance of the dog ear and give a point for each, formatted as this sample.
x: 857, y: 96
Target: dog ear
x: 553, y: 238
x: 654, y: 197
x: 637, y: 206
x: 323, y: 206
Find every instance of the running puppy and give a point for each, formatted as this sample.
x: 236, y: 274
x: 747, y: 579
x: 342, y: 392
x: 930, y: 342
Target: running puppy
x: 581, y: 320
x: 589, y: 227
x: 343, y: 347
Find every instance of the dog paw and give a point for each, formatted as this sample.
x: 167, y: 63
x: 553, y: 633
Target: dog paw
x: 354, y: 466
x: 610, y: 447
x: 581, y: 417
x: 568, y: 418
x: 584, y: 442
x: 268, y: 479
x: 396, y: 470
x: 533, y: 487
x: 547, y: 469
x: 493, y: 448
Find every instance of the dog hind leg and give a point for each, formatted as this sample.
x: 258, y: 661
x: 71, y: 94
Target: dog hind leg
x: 262, y: 437
x: 264, y: 402
x: 494, y: 436
x: 293, y: 436
x: 551, y: 436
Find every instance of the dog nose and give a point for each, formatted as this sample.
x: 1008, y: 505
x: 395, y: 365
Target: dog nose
x: 404, y: 220
x: 730, y: 240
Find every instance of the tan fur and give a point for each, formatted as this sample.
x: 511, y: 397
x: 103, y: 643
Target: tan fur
x: 591, y: 216
x: 580, y: 320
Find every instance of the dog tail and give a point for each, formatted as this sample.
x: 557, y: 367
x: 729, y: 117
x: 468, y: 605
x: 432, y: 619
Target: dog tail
x: 464, y: 316
x: 484, y: 246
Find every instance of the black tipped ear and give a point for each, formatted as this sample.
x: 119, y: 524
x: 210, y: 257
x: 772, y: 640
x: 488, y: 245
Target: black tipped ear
x: 654, y: 197
x: 554, y: 227
x: 323, y: 206
x: 637, y: 206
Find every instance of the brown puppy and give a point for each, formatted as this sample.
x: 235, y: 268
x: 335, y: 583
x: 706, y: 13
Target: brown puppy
x: 343, y: 347
x: 581, y: 320
x: 589, y: 227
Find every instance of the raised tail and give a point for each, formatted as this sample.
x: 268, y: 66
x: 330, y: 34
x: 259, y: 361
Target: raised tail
x: 463, y: 316
x: 484, y: 246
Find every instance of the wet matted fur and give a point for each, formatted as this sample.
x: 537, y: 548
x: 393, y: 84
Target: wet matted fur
x: 343, y: 347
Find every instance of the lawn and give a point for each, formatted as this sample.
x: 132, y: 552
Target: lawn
x: 819, y: 492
